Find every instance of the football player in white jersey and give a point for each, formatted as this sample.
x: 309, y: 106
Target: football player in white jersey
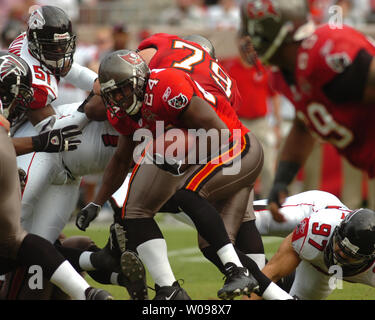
x: 332, y: 244
x: 324, y: 241
x: 52, y: 188
x: 48, y: 46
x: 53, y: 180
x: 17, y: 246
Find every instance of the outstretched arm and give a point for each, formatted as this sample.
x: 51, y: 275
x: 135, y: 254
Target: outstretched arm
x: 293, y: 155
x: 57, y: 140
x: 283, y: 262
x: 113, y: 177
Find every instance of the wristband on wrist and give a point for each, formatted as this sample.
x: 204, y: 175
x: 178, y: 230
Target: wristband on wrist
x: 37, y: 145
x: 286, y: 172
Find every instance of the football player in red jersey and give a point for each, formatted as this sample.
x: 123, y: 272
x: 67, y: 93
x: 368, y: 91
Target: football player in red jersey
x: 189, y: 53
x: 331, y: 74
x: 137, y: 99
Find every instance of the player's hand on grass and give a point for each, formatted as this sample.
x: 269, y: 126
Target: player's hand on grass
x: 276, y: 198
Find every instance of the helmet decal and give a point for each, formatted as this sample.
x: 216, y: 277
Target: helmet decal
x: 261, y: 9
x: 63, y: 36
x: 36, y: 20
x: 9, y: 65
x: 132, y: 58
x: 178, y: 102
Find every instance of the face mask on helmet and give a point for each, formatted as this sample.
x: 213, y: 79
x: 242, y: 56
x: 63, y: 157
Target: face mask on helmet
x: 352, y: 243
x: 343, y: 252
x: 21, y: 104
x: 56, y: 55
x: 16, y: 93
x: 123, y: 76
x: 125, y: 97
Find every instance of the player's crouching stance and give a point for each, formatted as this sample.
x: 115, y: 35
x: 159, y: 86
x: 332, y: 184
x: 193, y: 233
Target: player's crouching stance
x: 324, y: 248
x: 125, y: 92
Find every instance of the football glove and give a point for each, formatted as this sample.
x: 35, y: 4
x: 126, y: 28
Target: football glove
x: 57, y: 140
x: 86, y: 215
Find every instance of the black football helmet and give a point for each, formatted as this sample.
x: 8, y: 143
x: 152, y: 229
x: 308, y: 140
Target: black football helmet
x: 270, y: 23
x: 355, y: 238
x: 123, y: 77
x: 205, y: 43
x: 51, y: 39
x: 16, y: 93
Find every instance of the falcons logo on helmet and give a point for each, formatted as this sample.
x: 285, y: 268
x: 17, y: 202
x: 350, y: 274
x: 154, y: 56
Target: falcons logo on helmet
x: 36, y: 20
x: 132, y: 58
x: 8, y: 65
x: 259, y: 9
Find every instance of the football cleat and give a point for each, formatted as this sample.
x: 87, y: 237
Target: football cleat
x: 173, y: 292
x: 117, y: 238
x: 97, y: 294
x: 133, y: 276
x: 238, y: 281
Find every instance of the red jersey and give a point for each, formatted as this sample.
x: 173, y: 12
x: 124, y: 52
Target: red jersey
x: 190, y: 57
x: 348, y: 126
x: 253, y: 85
x: 168, y: 94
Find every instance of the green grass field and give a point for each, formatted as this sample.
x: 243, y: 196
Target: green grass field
x: 201, y: 279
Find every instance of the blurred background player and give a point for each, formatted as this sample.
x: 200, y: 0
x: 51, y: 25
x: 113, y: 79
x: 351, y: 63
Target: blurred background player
x: 293, y: 45
x: 258, y: 102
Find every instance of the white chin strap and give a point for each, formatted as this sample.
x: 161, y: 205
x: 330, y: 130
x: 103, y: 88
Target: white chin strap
x: 283, y: 33
x: 134, y: 108
x: 302, y: 32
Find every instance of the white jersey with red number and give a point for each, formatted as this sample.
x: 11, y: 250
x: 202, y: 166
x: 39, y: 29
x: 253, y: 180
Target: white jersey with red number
x: 294, y: 209
x: 45, y: 84
x: 313, y: 279
x: 313, y: 215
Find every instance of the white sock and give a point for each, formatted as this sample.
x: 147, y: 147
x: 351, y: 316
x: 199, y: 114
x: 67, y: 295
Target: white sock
x: 154, y: 255
x: 85, y: 262
x: 228, y: 254
x: 70, y: 281
x: 258, y: 258
x: 274, y: 292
